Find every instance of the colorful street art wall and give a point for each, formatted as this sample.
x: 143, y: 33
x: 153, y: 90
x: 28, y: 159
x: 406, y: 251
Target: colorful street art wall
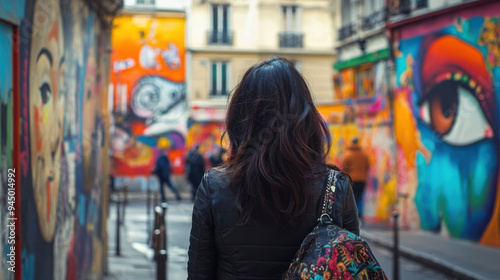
x: 149, y: 103
x: 447, y: 123
x: 63, y: 73
x: 369, y: 120
x: 206, y: 134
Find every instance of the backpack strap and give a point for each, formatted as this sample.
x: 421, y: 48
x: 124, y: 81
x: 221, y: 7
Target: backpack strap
x: 327, y: 210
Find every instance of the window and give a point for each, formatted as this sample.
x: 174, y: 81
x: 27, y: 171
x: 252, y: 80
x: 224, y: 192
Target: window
x: 369, y: 7
x: 290, y: 19
x: 347, y: 28
x: 346, y: 12
x: 145, y: 2
x: 374, y: 14
x: 365, y: 77
x: 420, y: 4
x: 291, y: 36
x: 355, y: 82
x: 220, y: 33
x: 406, y: 6
x: 219, y: 78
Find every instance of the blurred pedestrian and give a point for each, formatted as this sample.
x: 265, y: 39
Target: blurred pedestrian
x: 355, y: 162
x: 251, y: 214
x: 195, y: 168
x: 216, y: 157
x: 163, y: 171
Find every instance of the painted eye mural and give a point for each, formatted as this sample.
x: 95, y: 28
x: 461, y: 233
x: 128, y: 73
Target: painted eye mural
x: 452, y: 91
x: 155, y: 97
x: 454, y: 86
x: 446, y: 124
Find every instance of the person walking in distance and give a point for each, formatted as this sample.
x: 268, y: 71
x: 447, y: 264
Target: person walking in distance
x: 252, y: 213
x: 195, y: 168
x: 355, y: 162
x: 216, y: 157
x: 162, y: 170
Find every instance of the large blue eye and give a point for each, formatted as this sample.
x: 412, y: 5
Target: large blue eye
x: 45, y: 92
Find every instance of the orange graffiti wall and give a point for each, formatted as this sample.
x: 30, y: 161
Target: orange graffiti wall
x: 149, y: 92
x: 207, y: 135
x: 367, y: 118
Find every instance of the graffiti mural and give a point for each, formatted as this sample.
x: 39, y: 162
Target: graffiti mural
x: 6, y: 139
x: 447, y: 123
x: 63, y: 77
x: 369, y: 120
x: 148, y: 76
x: 206, y: 134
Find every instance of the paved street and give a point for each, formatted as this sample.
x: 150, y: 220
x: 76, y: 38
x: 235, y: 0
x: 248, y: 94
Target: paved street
x: 409, y: 270
x: 137, y: 256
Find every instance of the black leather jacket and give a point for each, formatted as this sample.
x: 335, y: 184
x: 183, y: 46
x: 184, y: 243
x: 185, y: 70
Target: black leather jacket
x: 220, y: 248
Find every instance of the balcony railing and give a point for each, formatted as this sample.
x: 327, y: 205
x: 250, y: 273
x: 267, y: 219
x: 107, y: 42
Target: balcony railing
x: 421, y: 4
x: 220, y: 38
x: 406, y: 6
x: 374, y: 19
x: 291, y: 40
x: 346, y: 31
x: 218, y: 93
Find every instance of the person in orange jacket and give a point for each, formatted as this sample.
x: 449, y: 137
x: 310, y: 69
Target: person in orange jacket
x: 355, y: 163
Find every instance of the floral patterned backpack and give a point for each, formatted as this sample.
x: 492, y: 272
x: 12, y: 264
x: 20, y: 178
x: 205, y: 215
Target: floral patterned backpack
x: 332, y: 253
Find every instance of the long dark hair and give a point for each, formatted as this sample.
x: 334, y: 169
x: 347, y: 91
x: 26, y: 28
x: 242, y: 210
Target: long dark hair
x: 278, y: 142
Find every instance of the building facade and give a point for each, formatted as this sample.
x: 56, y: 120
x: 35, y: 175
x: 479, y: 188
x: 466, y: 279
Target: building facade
x: 446, y: 122
x: 225, y: 38
x: 361, y: 108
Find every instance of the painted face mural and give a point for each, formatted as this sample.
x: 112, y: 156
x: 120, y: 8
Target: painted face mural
x: 46, y: 99
x: 446, y: 125
x: 89, y: 141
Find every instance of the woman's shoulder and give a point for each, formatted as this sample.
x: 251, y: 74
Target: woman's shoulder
x: 216, y: 177
x: 342, y: 179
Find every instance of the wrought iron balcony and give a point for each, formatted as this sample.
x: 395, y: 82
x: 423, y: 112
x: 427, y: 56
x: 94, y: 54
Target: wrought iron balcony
x: 218, y: 93
x: 220, y: 37
x: 291, y: 40
x: 346, y: 31
x: 374, y: 19
x: 421, y: 4
x: 406, y: 7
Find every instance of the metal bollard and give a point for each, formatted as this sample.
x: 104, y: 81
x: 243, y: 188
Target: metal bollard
x: 160, y: 241
x: 396, y: 246
x: 148, y: 212
x: 155, y: 198
x: 118, y: 204
x: 156, y: 233
x: 164, y: 238
x: 122, y: 216
x: 161, y: 265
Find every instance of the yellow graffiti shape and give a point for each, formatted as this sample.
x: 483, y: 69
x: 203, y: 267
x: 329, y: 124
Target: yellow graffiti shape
x: 491, y: 235
x: 406, y: 78
x: 405, y: 129
x: 387, y: 200
x: 490, y: 37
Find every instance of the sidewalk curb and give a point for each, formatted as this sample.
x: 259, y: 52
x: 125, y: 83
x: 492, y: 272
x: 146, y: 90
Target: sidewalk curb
x: 423, y: 258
